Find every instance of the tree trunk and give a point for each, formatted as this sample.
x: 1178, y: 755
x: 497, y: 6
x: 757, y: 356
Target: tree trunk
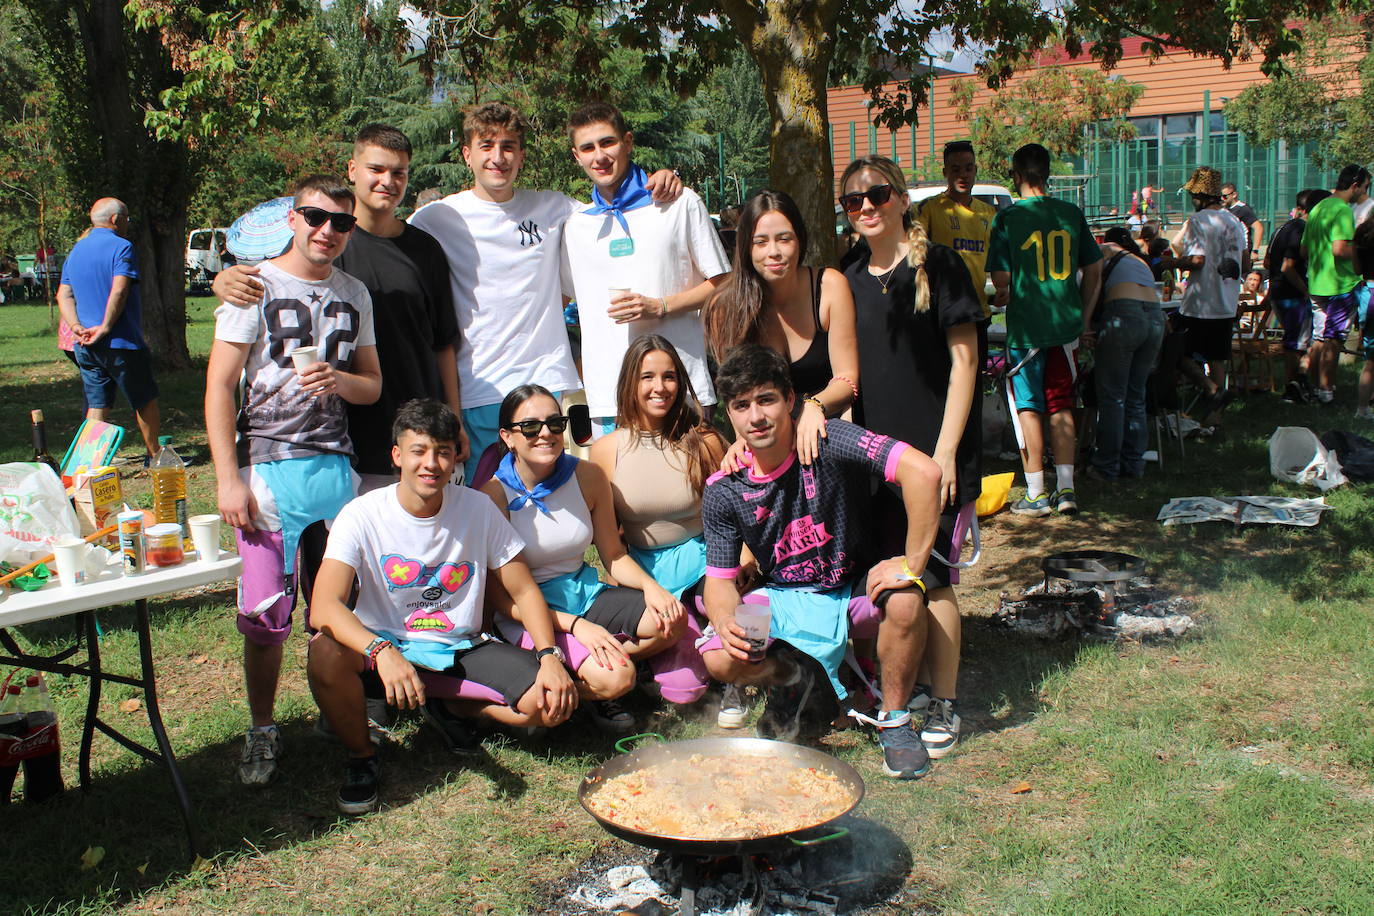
x: 126, y: 70
x: 792, y: 43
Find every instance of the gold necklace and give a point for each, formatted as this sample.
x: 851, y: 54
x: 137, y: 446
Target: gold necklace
x: 884, y: 280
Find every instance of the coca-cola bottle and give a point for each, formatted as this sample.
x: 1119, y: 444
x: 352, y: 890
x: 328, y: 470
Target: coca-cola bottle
x: 13, y: 724
x: 43, y: 770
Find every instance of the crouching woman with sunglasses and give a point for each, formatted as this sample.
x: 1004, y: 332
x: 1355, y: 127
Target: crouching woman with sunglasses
x: 560, y: 505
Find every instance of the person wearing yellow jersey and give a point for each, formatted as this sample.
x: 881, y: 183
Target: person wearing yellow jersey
x: 957, y: 219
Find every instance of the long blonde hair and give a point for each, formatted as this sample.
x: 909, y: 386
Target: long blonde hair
x: 917, y: 240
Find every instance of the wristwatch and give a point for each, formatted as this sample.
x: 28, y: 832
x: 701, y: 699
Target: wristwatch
x: 551, y: 650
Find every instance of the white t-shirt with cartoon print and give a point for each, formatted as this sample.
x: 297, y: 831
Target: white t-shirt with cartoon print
x: 422, y: 578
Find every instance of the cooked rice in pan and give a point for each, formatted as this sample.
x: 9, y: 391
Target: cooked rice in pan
x: 721, y: 798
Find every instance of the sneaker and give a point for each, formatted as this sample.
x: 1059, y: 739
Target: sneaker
x: 1036, y: 508
x: 611, y: 717
x: 1325, y: 396
x: 456, y: 734
x: 1295, y: 393
x: 358, y: 794
x: 261, y: 749
x: 733, y: 712
x: 1064, y: 502
x: 920, y: 699
x: 941, y: 729
x: 904, y: 756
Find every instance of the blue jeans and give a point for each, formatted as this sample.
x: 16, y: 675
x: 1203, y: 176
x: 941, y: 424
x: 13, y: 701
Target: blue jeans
x: 1127, y: 347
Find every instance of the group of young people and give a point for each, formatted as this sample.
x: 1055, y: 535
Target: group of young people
x: 439, y: 344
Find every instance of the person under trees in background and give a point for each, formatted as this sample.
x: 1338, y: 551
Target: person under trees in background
x: 1216, y: 258
x: 1254, y: 227
x: 1038, y: 245
x: 99, y: 300
x: 502, y: 244
x: 654, y: 264
x: 407, y: 275
x: 1289, y: 296
x: 1333, y: 275
x: 288, y: 471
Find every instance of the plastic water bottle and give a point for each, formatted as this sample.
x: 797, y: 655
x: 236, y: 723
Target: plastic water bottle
x: 43, y: 770
x: 169, y: 488
x: 13, y: 725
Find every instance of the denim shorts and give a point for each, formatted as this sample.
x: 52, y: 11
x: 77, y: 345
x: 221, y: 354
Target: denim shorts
x: 105, y: 368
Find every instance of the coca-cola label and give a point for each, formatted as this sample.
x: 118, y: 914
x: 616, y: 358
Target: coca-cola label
x: 34, y: 743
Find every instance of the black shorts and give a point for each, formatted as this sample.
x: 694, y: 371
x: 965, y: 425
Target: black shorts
x: 889, y: 519
x: 1209, y: 339
x: 618, y: 609
x: 507, y: 669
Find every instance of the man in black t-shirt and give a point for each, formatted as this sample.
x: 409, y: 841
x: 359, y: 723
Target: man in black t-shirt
x: 806, y: 527
x: 1288, y: 296
x: 406, y: 272
x: 1254, y: 229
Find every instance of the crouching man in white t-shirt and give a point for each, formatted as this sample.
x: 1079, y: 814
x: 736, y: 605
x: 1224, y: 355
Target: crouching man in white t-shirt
x: 420, y: 551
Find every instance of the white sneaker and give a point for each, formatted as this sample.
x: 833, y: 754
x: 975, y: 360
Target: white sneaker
x: 261, y: 749
x: 941, y: 729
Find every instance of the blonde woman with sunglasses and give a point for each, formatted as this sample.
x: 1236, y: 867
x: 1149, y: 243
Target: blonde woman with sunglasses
x: 917, y: 327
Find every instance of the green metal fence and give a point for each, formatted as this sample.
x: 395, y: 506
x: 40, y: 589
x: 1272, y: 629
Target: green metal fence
x: 1267, y: 178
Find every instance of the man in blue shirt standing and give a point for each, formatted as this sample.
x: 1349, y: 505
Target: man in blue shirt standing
x: 98, y: 298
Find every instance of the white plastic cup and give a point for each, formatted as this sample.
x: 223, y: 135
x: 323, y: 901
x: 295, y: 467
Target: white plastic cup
x: 70, y: 553
x: 205, y: 535
x: 756, y: 621
x: 304, y: 357
x: 615, y: 292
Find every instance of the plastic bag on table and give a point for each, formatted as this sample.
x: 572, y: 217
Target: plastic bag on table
x: 34, y: 512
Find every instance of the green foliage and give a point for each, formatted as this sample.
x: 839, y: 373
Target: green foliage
x: 1326, y: 96
x: 1052, y: 106
x: 735, y: 109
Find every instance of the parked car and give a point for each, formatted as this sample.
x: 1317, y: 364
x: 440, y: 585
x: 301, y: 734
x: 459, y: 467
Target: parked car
x: 206, y: 256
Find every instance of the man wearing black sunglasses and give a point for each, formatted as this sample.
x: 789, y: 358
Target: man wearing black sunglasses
x: 406, y: 272
x: 289, y: 467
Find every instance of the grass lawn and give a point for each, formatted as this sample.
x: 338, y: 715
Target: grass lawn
x: 1227, y: 773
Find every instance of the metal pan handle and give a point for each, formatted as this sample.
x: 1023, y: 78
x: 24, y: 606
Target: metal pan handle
x: 623, y: 744
x: 842, y: 832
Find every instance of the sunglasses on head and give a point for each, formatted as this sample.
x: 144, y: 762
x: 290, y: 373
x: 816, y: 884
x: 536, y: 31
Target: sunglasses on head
x: 314, y: 218
x: 530, y: 428
x: 877, y: 195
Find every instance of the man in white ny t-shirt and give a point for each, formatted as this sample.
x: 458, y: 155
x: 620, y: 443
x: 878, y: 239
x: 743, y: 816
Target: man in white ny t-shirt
x: 290, y: 466
x: 421, y: 551
x: 634, y: 265
x: 502, y: 245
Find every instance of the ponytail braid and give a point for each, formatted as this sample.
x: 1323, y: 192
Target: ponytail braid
x: 918, y: 243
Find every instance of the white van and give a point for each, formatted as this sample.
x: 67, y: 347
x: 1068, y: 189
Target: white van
x: 205, y: 257
x: 998, y: 197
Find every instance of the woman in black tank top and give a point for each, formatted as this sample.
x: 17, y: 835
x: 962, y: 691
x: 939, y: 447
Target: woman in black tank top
x: 804, y: 313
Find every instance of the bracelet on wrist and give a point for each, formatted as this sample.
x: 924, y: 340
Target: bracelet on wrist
x: 911, y: 576
x: 852, y: 387
x: 572, y: 627
x: 815, y: 400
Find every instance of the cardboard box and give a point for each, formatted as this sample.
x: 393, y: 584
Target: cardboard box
x: 98, y: 498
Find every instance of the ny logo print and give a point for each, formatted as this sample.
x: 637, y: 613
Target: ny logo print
x: 529, y: 233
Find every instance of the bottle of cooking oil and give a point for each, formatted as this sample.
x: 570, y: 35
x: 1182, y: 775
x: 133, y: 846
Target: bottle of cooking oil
x: 169, y: 488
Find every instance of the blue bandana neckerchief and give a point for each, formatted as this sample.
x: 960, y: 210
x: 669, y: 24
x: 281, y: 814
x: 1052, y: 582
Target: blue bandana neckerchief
x: 631, y: 195
x: 505, y: 472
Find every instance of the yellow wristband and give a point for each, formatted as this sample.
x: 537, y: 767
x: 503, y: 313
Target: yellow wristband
x: 911, y: 576
x: 817, y: 401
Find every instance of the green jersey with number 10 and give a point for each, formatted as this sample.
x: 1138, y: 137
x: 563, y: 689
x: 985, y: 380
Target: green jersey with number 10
x: 1042, y: 242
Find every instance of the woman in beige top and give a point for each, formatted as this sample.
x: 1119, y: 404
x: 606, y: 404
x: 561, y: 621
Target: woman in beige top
x: 658, y: 459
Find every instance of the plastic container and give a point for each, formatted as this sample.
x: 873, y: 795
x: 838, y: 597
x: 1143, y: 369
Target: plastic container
x: 131, y: 545
x: 43, y: 768
x: 164, y: 544
x: 13, y: 724
x: 169, y: 488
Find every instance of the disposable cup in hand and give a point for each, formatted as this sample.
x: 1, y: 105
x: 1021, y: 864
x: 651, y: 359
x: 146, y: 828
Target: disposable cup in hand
x: 615, y: 292
x: 70, y: 553
x: 755, y: 620
x: 205, y: 535
x: 304, y: 358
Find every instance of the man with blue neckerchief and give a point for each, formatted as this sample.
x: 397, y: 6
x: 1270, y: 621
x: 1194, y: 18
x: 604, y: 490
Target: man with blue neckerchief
x: 653, y: 264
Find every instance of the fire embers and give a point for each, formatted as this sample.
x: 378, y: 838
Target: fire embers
x: 1132, y: 609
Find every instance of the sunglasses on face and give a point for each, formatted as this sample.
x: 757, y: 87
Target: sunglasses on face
x: 877, y: 195
x: 530, y: 428
x: 314, y: 218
